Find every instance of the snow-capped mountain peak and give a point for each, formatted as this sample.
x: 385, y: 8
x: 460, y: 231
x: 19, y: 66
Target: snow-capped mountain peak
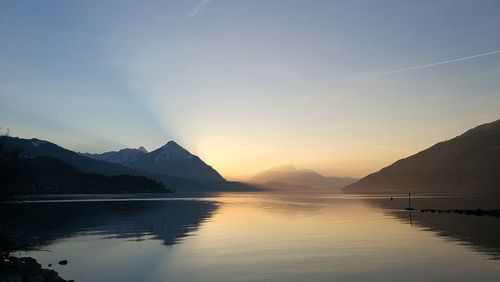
x: 171, y: 152
x: 170, y: 159
x: 173, y: 160
x: 123, y: 157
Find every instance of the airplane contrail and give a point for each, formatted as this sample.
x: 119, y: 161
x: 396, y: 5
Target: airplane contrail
x: 199, y: 7
x: 426, y: 65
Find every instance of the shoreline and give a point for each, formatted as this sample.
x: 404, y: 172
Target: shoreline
x: 27, y: 269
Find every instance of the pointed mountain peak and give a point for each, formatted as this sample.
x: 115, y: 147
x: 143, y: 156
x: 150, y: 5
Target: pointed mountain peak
x: 171, y: 151
x: 173, y: 160
x: 172, y: 143
x: 142, y: 149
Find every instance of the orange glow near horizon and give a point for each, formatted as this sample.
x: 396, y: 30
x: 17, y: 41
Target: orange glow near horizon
x: 253, y: 85
x: 339, y: 152
x: 236, y: 160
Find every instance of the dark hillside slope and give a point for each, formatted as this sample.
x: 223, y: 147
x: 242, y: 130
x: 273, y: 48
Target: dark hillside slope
x: 47, y: 175
x: 469, y: 163
x: 37, y: 148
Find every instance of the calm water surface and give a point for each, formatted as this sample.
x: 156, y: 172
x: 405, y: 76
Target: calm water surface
x: 263, y: 237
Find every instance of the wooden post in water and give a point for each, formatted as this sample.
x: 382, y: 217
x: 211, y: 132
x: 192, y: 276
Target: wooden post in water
x: 409, y: 208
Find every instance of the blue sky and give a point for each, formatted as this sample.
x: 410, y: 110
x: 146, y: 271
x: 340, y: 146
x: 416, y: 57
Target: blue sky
x: 343, y: 87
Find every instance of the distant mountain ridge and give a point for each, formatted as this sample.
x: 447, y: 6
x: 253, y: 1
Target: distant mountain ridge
x: 469, y: 163
x: 123, y: 157
x: 289, y: 176
x: 33, y: 148
x: 171, y: 159
x: 170, y: 164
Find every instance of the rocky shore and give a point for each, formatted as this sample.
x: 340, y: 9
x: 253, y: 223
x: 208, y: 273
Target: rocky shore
x: 477, y: 212
x: 26, y: 269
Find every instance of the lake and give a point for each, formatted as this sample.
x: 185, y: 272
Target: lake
x: 261, y: 237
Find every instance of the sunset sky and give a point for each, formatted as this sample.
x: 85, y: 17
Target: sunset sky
x: 342, y: 87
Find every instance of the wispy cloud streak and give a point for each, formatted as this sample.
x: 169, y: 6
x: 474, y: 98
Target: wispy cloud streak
x: 199, y: 7
x: 426, y: 65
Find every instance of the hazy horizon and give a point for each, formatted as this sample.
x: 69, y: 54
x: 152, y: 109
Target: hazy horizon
x: 277, y: 165
x: 343, y: 88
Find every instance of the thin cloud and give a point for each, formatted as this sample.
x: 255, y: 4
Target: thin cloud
x: 426, y: 65
x: 199, y: 7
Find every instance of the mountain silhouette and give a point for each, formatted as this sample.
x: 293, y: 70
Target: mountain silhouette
x: 290, y: 177
x: 32, y: 148
x: 171, y: 164
x: 123, y: 157
x: 173, y: 160
x: 469, y: 163
x: 42, y: 175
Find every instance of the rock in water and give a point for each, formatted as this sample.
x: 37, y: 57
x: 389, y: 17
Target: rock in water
x: 63, y: 262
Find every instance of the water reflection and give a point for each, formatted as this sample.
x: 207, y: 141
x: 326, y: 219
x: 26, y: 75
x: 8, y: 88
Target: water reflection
x: 479, y: 232
x: 262, y: 237
x: 41, y: 224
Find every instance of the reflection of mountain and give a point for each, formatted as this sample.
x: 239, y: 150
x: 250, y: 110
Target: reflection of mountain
x: 289, y: 177
x: 480, y: 232
x: 169, y: 221
x: 469, y: 163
